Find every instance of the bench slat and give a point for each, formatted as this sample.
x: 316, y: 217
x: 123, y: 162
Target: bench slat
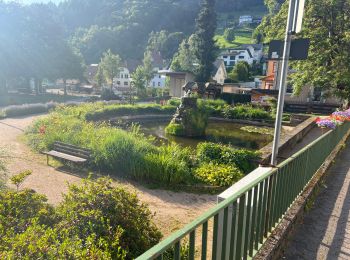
x: 72, y: 146
x: 65, y: 156
x: 72, y: 151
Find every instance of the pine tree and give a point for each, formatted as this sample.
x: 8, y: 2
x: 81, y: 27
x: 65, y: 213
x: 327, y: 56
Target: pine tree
x: 205, y: 47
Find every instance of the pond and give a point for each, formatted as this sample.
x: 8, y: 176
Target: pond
x: 216, y: 132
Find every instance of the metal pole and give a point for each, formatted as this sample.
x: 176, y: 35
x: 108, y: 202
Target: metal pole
x: 282, y: 82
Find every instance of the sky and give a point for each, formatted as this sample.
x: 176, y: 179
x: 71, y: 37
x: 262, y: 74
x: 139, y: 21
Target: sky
x: 34, y: 1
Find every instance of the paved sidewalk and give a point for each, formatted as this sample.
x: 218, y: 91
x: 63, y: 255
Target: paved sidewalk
x: 325, y: 232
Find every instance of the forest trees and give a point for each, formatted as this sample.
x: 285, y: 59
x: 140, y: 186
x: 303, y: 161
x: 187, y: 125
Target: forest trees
x: 33, y: 45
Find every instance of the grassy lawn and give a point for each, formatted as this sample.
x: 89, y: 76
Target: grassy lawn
x: 243, y: 36
x: 19, y: 99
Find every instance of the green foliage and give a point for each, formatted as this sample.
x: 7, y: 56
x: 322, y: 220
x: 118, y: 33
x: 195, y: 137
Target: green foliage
x: 229, y: 34
x: 174, y: 102
x: 108, y: 94
x: 172, y: 165
x: 112, y: 214
x: 18, y: 179
x: 240, y: 72
x: 109, y: 67
x: 328, y: 61
x: 205, y: 45
x: 222, y: 175
x: 245, y: 112
x: 175, y: 129
x: 245, y: 160
x: 95, y: 220
x: 185, y: 59
x: 111, y: 111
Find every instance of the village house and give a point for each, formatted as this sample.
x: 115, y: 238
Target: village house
x: 219, y: 72
x: 249, y: 53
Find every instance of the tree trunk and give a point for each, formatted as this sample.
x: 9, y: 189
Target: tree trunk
x: 65, y: 86
x: 36, y: 83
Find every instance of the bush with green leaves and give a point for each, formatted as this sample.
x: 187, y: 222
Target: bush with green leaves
x: 244, y: 159
x: 247, y: 112
x: 216, y: 174
x: 172, y: 165
x: 108, y: 94
x: 111, y: 111
x: 95, y: 220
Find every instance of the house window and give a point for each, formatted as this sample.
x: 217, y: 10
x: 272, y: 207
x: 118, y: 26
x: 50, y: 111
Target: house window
x: 232, y: 57
x: 121, y: 75
x: 225, y: 57
x: 159, y: 76
x: 158, y: 84
x: 232, y: 63
x: 153, y: 84
x: 126, y: 76
x: 118, y: 82
x: 126, y: 83
x: 241, y: 57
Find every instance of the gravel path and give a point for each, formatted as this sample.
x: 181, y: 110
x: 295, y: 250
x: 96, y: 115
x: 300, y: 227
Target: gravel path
x: 172, y: 209
x: 325, y: 233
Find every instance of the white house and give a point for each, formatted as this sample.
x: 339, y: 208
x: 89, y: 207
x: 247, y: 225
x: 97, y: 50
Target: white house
x: 245, y: 19
x: 158, y: 81
x: 123, y: 80
x: 248, y: 52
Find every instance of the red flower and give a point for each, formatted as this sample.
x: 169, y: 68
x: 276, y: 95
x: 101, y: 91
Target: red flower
x: 42, y: 129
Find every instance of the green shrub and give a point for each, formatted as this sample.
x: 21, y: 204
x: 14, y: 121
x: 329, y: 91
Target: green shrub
x: 18, y: 210
x: 175, y: 129
x: 174, y: 102
x: 245, y: 160
x: 111, y: 213
x: 172, y: 165
x: 222, y: 175
x: 95, y: 220
x: 245, y: 112
x: 39, y: 242
x: 107, y: 94
x: 110, y: 111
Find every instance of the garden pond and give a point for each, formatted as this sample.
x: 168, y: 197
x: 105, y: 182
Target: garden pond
x: 216, y: 132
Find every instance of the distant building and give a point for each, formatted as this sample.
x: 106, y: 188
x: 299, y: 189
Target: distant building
x: 219, y: 73
x: 158, y: 81
x: 248, y: 52
x: 123, y: 79
x: 90, y: 73
x: 176, y: 81
x: 245, y: 19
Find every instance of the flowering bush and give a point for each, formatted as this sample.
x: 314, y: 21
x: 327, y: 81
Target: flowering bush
x: 332, y: 121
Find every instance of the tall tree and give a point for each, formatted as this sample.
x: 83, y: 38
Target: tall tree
x: 147, y: 68
x: 205, y: 31
x: 109, y: 66
x: 185, y: 59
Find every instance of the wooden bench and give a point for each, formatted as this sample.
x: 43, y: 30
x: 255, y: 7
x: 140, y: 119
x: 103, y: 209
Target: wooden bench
x: 69, y: 153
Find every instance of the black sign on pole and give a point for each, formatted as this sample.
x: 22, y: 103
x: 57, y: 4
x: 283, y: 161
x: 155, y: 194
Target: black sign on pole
x: 299, y: 49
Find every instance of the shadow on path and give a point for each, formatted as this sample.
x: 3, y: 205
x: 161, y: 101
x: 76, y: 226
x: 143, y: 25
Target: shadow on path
x: 325, y: 232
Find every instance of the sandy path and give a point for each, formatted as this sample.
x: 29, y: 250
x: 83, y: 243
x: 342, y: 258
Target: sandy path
x: 172, y: 209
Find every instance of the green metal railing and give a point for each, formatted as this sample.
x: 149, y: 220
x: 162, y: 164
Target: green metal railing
x: 237, y: 227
